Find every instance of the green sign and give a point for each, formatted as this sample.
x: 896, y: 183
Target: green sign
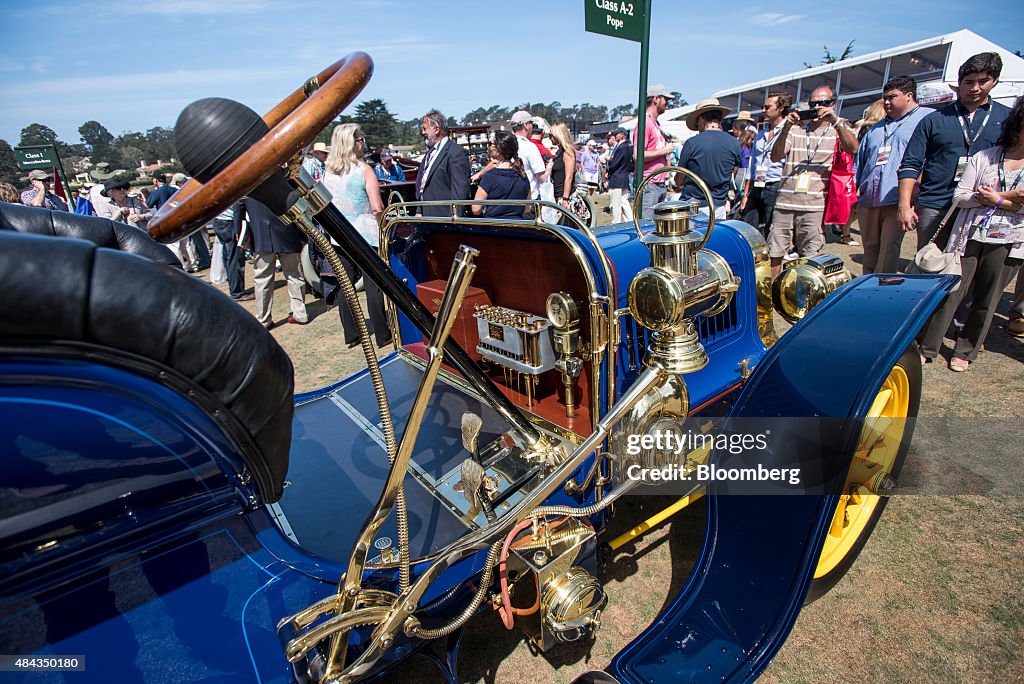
x: 615, y: 18
x: 36, y: 157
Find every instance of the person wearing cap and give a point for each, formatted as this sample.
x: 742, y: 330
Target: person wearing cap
x: 178, y: 180
x: 590, y: 161
x: 122, y: 207
x: 536, y: 170
x: 761, y: 187
x: 314, y: 161
x: 444, y: 171
x: 39, y: 194
x: 620, y: 166
x: 387, y: 170
x: 161, y: 191
x: 713, y: 155
x: 809, y: 154
x: 656, y: 148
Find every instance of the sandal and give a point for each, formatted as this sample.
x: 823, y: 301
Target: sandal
x: 958, y: 365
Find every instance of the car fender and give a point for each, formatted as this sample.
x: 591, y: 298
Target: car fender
x: 759, y: 554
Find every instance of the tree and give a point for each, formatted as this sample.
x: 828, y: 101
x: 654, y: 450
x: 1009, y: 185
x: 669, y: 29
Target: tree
x: 9, y: 171
x: 677, y: 100
x: 95, y: 135
x: 829, y: 58
x: 379, y: 125
x: 37, y: 134
x: 621, y: 111
x: 161, y: 143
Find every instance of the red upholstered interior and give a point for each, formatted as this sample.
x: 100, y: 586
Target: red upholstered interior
x: 520, y: 274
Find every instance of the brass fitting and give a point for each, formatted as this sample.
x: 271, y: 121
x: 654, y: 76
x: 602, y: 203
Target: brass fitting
x: 683, y: 281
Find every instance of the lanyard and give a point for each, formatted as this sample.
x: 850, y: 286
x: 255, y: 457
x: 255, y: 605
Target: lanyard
x: 886, y: 135
x: 766, y: 152
x: 810, y: 156
x: 1002, y: 173
x: 965, y: 126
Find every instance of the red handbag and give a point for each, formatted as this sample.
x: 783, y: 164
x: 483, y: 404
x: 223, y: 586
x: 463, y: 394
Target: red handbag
x: 842, y: 188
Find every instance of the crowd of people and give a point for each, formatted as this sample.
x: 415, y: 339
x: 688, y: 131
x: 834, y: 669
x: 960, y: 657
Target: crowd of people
x: 952, y: 176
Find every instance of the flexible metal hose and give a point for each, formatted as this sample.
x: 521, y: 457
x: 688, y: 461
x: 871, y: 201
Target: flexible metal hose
x: 419, y: 631
x: 387, y: 425
x: 587, y: 511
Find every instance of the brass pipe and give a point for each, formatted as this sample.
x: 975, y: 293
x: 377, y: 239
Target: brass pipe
x: 458, y: 282
x: 472, y: 543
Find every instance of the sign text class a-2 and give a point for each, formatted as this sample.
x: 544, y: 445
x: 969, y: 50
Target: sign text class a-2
x: 615, y: 18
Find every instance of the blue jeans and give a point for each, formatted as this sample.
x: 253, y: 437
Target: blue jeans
x: 225, y: 232
x: 198, y: 239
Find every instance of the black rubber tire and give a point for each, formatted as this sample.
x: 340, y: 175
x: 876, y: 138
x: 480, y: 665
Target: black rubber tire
x: 911, y: 364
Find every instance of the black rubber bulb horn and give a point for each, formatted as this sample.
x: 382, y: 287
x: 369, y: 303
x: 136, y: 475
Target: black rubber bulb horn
x: 213, y: 132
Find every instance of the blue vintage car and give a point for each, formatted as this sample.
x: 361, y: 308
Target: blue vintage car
x: 171, y: 512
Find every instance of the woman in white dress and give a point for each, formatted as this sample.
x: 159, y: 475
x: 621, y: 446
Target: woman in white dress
x: 356, y: 193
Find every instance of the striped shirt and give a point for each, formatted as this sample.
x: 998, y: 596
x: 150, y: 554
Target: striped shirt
x: 811, y: 154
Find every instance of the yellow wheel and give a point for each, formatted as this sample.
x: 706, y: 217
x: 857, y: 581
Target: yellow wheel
x: 881, y: 450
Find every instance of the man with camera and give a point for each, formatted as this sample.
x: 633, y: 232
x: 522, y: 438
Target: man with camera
x: 809, y: 154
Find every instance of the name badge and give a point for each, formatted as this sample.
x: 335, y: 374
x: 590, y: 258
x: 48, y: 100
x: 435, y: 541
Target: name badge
x: 961, y: 163
x: 761, y: 178
x: 803, y: 182
x: 883, y: 155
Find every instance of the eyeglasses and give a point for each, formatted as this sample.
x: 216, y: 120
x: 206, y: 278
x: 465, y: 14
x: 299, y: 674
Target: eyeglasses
x: 360, y: 139
x: 820, y: 103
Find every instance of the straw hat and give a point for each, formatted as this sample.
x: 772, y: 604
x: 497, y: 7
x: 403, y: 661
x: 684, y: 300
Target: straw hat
x: 709, y: 105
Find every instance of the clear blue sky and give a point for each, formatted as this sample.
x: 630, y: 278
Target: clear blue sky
x: 134, y: 65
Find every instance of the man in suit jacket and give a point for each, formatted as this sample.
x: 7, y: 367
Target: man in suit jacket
x: 619, y: 167
x: 273, y: 241
x: 444, y: 172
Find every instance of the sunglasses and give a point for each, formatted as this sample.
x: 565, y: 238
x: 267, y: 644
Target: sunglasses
x: 820, y: 103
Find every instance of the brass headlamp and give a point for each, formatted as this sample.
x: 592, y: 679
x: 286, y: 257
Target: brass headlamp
x: 804, y: 283
x: 683, y: 281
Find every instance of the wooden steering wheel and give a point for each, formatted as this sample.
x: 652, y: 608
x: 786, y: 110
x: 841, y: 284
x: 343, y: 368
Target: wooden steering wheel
x: 293, y: 125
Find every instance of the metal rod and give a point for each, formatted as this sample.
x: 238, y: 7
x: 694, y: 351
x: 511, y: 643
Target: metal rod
x: 458, y: 283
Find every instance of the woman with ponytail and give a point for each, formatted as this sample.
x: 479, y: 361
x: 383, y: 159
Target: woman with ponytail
x: 507, y: 180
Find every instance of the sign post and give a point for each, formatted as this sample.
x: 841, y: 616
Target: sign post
x: 630, y: 20
x: 31, y: 157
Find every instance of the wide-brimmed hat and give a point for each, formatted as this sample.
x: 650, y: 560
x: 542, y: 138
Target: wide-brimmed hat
x: 38, y: 174
x: 320, y: 147
x: 745, y: 115
x: 113, y: 183
x: 710, y: 105
x: 658, y: 90
x: 102, y: 172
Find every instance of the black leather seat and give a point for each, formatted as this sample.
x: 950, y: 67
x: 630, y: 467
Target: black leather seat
x: 116, y: 289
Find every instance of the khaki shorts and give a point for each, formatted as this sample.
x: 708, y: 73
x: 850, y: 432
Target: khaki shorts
x: 800, y: 228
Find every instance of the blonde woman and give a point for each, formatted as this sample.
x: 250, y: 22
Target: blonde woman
x: 563, y: 171
x: 874, y: 113
x: 356, y: 193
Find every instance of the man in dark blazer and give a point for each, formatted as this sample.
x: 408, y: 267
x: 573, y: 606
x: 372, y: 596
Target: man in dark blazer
x: 444, y: 172
x: 273, y: 241
x: 620, y: 164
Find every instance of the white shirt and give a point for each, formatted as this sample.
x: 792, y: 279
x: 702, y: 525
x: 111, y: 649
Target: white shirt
x: 438, y: 146
x: 532, y: 162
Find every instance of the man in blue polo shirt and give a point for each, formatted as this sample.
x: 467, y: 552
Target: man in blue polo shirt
x: 939, y: 148
x: 878, y: 162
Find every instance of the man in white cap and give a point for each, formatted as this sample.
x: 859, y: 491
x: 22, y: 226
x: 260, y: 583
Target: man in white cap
x: 712, y: 154
x: 547, y: 189
x: 656, y: 148
x: 39, y: 194
x: 387, y: 170
x: 536, y: 171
